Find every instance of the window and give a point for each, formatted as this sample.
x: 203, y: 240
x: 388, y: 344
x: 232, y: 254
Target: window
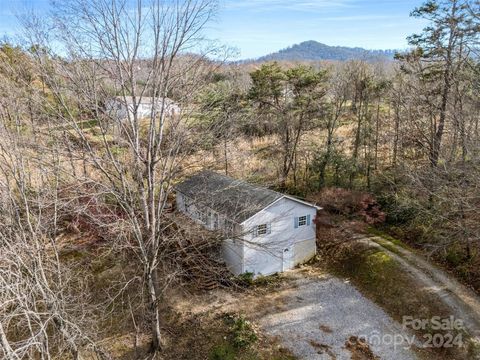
x: 229, y: 227
x: 203, y: 217
x: 186, y: 203
x: 263, y: 229
x: 302, y: 221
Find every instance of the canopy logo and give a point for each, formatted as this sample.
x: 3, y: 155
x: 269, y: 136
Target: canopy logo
x: 437, y: 332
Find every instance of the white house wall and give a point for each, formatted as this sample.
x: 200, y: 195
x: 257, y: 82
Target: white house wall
x: 232, y: 252
x: 264, y: 253
x: 232, y: 249
x: 116, y: 109
x: 261, y: 254
x: 304, y: 251
x: 185, y: 205
x: 262, y: 260
x: 143, y: 110
x: 121, y: 111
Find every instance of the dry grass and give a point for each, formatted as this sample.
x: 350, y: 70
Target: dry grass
x: 194, y: 321
x: 202, y: 335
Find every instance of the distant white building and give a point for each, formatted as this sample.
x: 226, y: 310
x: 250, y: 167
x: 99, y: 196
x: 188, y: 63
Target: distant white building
x: 119, y: 107
x: 268, y: 232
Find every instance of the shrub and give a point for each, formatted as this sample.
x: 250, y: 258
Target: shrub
x: 243, y: 333
x: 269, y: 280
x: 455, y: 256
x: 350, y: 203
x: 400, y: 210
x: 222, y: 352
x: 245, y: 279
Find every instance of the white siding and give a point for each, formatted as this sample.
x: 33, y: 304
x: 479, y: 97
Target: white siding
x: 233, y: 252
x: 304, y: 251
x: 204, y: 215
x: 118, y: 109
x: 186, y: 206
x: 180, y: 202
x: 232, y: 249
x: 264, y: 253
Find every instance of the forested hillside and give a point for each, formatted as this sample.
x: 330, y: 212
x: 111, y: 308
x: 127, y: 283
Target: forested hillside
x: 315, y: 51
x: 92, y: 253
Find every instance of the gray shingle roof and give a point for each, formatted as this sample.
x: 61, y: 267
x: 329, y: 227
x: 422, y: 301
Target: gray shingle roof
x: 235, y: 199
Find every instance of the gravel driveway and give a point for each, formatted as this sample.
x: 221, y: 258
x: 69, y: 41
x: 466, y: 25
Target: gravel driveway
x: 319, y: 315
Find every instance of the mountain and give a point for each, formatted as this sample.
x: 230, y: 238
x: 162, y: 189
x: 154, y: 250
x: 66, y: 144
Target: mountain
x: 313, y: 50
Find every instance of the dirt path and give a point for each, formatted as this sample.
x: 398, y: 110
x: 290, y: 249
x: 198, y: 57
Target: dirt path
x: 463, y: 302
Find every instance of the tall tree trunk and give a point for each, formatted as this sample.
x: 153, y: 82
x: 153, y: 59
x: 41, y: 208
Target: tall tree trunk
x: 356, y: 145
x: 362, y: 108
x: 225, y: 154
x: 156, y: 344
x: 377, y: 130
x: 326, y: 159
x: 396, y: 137
x: 437, y: 139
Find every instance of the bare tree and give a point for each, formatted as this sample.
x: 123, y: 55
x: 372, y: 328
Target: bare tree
x: 131, y: 50
x: 42, y: 311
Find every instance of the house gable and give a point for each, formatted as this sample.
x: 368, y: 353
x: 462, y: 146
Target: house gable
x: 285, y: 197
x: 281, y: 218
x: 265, y: 253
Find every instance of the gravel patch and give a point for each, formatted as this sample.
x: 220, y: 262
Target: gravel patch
x: 320, y: 315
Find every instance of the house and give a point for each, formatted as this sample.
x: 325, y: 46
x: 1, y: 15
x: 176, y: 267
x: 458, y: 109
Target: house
x: 268, y: 232
x: 121, y: 107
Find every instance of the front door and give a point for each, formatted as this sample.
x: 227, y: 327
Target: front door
x: 287, y: 258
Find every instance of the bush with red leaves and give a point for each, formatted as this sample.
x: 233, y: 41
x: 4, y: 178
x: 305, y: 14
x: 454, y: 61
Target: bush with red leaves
x: 86, y: 210
x: 350, y: 203
x: 370, y: 210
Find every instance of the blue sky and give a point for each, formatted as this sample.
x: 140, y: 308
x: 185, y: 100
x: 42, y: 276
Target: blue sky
x: 259, y: 27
